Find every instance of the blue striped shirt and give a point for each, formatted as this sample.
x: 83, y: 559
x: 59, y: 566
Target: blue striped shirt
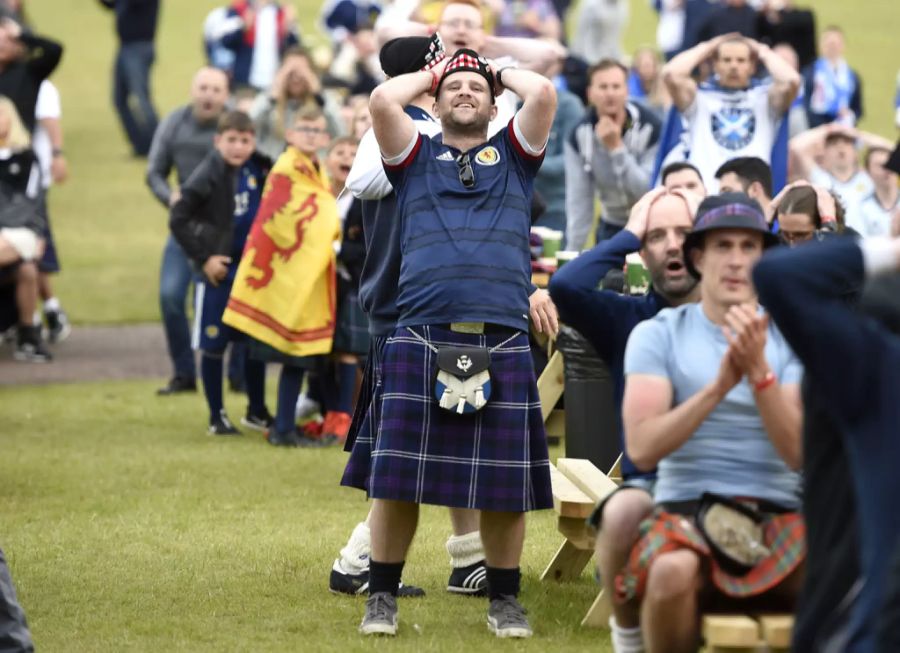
x: 465, y: 250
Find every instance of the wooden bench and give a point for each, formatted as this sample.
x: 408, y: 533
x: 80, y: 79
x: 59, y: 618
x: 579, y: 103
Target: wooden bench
x: 735, y: 633
x: 577, y: 487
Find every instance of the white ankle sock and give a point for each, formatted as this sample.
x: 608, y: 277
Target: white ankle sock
x: 465, y: 550
x: 52, y: 304
x: 355, y: 556
x: 626, y: 640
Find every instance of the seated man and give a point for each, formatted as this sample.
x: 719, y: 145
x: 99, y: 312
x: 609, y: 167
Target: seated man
x: 656, y: 228
x: 712, y: 398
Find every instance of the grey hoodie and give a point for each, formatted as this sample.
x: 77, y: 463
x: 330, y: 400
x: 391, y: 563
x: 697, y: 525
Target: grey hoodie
x: 620, y: 177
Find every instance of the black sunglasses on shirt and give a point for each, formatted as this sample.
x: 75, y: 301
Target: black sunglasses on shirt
x: 466, y: 172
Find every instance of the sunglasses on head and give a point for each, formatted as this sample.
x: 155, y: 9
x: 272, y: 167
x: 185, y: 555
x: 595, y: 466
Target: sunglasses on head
x: 466, y: 172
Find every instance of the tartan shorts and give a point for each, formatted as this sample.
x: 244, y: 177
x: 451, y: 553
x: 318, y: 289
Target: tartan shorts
x: 407, y: 448
x: 783, y: 534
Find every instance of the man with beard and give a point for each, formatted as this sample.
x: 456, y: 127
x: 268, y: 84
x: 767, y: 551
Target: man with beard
x: 181, y: 141
x: 712, y: 398
x: 749, y: 175
x: 656, y: 228
x: 610, y: 154
x: 732, y: 115
x: 464, y: 205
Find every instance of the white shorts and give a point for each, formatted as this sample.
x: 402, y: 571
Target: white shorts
x: 23, y: 240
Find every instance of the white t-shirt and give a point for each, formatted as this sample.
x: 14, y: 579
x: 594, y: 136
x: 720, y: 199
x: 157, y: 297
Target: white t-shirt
x: 852, y: 192
x: 265, y: 50
x: 724, y: 124
x: 670, y: 29
x: 48, y: 106
x: 875, y: 220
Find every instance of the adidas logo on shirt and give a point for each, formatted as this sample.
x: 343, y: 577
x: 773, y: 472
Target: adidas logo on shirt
x: 446, y: 156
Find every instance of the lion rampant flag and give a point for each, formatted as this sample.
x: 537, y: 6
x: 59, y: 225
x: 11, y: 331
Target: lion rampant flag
x: 284, y: 290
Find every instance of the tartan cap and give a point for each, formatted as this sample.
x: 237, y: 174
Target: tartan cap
x: 466, y: 60
x: 409, y: 54
x: 726, y: 211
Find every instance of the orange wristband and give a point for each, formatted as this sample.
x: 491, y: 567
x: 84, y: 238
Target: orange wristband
x: 768, y: 380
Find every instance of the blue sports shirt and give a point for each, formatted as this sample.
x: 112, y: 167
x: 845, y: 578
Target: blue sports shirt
x: 465, y: 250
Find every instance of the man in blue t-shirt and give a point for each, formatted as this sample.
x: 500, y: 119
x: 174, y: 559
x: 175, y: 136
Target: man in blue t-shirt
x: 464, y: 205
x: 656, y: 228
x: 712, y: 399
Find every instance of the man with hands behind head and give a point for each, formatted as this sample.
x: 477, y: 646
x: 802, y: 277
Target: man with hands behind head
x: 732, y: 114
x: 464, y: 202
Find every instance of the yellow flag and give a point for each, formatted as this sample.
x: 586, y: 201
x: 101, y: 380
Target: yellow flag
x: 284, y: 290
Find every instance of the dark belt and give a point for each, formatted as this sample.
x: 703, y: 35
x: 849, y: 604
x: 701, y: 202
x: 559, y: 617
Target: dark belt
x: 689, y: 508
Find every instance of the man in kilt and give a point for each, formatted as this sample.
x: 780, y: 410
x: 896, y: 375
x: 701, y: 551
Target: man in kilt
x: 463, y: 202
x: 712, y: 398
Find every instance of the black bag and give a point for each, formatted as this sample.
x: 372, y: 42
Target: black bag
x: 733, y: 531
x: 463, y: 380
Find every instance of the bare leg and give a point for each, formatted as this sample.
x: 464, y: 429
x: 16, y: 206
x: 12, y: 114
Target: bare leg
x: 464, y: 520
x: 27, y: 292
x: 45, y: 286
x: 393, y: 524
x: 622, y: 515
x: 7, y: 253
x: 669, y: 612
x: 503, y: 535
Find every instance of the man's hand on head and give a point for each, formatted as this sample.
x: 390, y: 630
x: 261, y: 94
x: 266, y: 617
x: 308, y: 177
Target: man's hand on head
x: 637, y: 219
x: 543, y: 312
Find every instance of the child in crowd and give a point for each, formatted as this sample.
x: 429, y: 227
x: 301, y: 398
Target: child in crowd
x: 284, y: 293
x: 211, y: 221
x: 351, y: 337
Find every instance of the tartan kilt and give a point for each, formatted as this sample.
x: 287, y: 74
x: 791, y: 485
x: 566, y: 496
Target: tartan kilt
x: 494, y: 459
x: 783, y: 534
x: 351, y: 333
x: 364, y: 414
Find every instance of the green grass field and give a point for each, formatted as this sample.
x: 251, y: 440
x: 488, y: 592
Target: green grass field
x: 126, y: 527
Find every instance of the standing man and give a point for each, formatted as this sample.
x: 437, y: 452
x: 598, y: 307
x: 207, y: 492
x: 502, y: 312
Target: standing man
x: 732, y: 115
x: 26, y: 60
x: 656, y: 228
x: 832, y: 90
x: 182, y: 140
x: 136, y: 27
x: 610, y: 154
x: 853, y: 357
x: 464, y: 203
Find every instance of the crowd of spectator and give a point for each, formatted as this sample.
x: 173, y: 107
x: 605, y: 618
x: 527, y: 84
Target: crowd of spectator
x: 737, y: 133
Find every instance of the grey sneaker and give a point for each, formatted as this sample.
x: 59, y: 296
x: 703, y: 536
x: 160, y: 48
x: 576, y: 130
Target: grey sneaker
x: 506, y: 618
x: 381, y: 615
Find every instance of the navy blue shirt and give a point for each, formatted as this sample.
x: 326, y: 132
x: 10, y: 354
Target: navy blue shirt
x: 250, y: 181
x: 381, y: 270
x: 465, y: 251
x: 855, y: 363
x: 605, y: 317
